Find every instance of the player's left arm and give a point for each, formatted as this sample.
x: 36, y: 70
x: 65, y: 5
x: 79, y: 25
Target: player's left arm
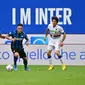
x: 63, y: 37
x: 27, y: 39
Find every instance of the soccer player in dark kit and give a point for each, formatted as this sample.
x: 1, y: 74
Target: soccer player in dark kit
x: 17, y: 37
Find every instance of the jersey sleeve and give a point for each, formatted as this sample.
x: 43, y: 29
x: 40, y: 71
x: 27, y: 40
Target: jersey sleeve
x: 10, y: 34
x: 61, y: 30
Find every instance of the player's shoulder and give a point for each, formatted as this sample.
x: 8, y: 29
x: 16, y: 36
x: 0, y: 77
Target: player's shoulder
x: 23, y: 33
x: 12, y: 32
x: 60, y: 27
x: 50, y: 24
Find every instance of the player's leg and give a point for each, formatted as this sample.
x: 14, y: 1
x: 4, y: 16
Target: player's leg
x: 23, y: 56
x: 50, y: 60
x: 50, y: 48
x: 57, y: 51
x: 16, y: 54
x: 25, y: 64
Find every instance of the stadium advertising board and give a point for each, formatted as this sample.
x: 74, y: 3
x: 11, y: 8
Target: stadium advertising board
x: 72, y: 55
x: 73, y: 51
x: 36, y: 15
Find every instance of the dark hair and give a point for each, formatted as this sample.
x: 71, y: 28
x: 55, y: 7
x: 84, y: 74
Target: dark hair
x: 20, y: 24
x: 55, y: 18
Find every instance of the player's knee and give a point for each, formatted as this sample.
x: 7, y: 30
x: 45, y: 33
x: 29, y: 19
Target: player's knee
x: 57, y: 53
x: 48, y: 53
x: 24, y: 58
x: 16, y: 54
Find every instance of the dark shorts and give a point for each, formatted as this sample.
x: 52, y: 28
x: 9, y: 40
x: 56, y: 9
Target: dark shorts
x: 21, y: 52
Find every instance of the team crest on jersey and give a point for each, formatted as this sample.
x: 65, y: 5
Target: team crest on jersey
x: 22, y: 36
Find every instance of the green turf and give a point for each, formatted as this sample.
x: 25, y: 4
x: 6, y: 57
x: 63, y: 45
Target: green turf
x: 39, y: 75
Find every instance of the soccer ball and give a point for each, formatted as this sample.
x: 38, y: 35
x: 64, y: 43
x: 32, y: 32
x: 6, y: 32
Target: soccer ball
x: 9, y: 67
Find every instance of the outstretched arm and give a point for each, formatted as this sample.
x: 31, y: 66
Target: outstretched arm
x: 47, y: 31
x: 10, y: 38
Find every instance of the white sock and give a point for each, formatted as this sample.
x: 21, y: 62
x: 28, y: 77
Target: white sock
x: 50, y: 61
x: 61, y: 61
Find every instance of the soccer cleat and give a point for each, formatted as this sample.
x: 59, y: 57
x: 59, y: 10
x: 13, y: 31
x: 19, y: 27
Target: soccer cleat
x: 63, y: 67
x: 27, y: 69
x: 15, y: 68
x: 50, y: 68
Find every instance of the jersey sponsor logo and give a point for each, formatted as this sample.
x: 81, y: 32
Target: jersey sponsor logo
x: 38, y: 40
x: 53, y: 31
x: 18, y: 38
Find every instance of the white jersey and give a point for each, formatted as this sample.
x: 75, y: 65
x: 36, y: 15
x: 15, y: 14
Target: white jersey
x: 56, y: 31
x: 55, y: 34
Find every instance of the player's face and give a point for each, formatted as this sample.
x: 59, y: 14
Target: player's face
x: 54, y: 22
x: 19, y: 29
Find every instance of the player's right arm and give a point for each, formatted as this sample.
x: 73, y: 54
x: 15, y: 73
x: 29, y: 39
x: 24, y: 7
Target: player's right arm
x: 47, y: 31
x: 9, y: 36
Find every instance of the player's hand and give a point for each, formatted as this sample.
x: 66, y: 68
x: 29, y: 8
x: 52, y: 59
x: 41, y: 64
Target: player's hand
x: 61, y: 44
x: 3, y: 37
x: 13, y: 39
x: 27, y: 43
x: 45, y: 38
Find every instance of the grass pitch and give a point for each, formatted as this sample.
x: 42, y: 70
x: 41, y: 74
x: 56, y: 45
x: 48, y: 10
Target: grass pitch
x: 39, y: 75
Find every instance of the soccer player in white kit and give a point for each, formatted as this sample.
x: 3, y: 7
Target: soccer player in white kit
x: 55, y: 41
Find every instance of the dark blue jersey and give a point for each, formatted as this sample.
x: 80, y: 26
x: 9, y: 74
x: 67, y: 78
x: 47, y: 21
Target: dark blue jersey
x: 17, y: 44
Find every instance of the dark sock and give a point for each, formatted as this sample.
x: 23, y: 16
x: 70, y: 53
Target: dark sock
x: 49, y: 57
x: 15, y: 61
x: 60, y: 56
x: 25, y: 63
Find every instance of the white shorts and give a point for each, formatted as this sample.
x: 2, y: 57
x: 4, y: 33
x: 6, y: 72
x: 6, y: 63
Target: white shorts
x: 54, y: 45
